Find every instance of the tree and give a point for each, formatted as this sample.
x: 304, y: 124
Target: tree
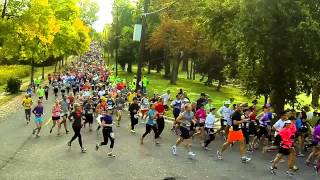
x: 88, y: 11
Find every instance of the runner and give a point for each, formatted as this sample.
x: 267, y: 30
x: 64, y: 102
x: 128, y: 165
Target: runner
x: 120, y: 102
x: 166, y: 98
x: 40, y: 92
x: 144, y: 107
x: 186, y: 121
x: 209, y: 128
x: 27, y: 104
x: 235, y: 135
x: 134, y: 109
x: 76, y: 117
x: 151, y: 124
x: 88, y: 108
x: 56, y: 110
x: 46, y: 91
x: 316, y: 147
x: 55, y: 86
x: 159, y: 107
x: 286, y: 148
x: 64, y: 114
x: 38, y: 111
x: 106, y: 123
x: 225, y: 118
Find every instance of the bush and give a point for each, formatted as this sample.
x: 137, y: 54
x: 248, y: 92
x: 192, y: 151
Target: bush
x: 13, y: 85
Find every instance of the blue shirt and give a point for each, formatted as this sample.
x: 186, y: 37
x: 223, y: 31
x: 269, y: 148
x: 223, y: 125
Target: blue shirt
x: 299, y: 123
x: 151, y: 114
x: 107, y: 119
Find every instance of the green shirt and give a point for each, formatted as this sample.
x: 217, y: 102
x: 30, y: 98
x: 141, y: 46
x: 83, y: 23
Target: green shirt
x: 40, y: 92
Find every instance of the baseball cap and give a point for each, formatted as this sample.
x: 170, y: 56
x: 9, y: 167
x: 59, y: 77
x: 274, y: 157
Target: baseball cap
x: 287, y: 122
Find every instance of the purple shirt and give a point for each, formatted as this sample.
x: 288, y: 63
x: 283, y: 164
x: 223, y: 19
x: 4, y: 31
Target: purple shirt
x: 316, y: 133
x: 38, y: 111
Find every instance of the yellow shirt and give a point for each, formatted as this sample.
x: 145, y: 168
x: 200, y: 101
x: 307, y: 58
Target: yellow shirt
x: 130, y: 97
x: 27, y: 103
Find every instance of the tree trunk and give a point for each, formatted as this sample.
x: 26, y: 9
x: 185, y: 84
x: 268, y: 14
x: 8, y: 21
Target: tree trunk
x: 5, y: 5
x: 191, y: 69
x: 129, y: 69
x: 315, y: 95
x: 149, y: 68
x: 277, y: 100
x: 187, y: 68
x: 62, y: 62
x: 166, y: 66
x: 142, y: 54
x: 185, y: 65
x: 175, y: 71
x: 42, y: 76
x: 32, y: 71
x: 194, y: 70
x: 266, y: 98
x: 55, y: 66
x: 219, y: 85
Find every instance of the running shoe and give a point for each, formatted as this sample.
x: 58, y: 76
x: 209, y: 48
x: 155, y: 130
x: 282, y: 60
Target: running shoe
x: 290, y: 173
x: 219, y: 155
x: 316, y: 169
x: 174, y: 149
x: 97, y: 147
x: 207, y: 149
x: 191, y: 155
x: 132, y: 131
x: 110, y: 154
x: 300, y: 155
x: 83, y: 150
x: 37, y: 135
x: 245, y: 159
x: 34, y: 131
x: 272, y: 170
x: 69, y: 144
x: 157, y: 142
x: 295, y: 168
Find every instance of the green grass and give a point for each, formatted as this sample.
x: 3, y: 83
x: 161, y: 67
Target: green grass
x: 7, y: 71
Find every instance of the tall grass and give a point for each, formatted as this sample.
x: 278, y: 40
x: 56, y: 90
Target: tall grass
x: 7, y: 71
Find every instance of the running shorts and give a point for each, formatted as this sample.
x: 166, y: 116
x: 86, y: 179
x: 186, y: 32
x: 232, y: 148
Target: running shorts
x: 284, y: 151
x: 185, y: 133
x: 38, y: 120
x: 55, y: 118
x: 234, y: 136
x: 89, y: 118
x: 262, y: 131
x: 253, y: 129
x: 27, y: 111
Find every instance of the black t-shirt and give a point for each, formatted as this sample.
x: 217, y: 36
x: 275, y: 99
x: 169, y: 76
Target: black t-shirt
x: 236, y: 116
x: 133, y: 108
x: 76, y: 115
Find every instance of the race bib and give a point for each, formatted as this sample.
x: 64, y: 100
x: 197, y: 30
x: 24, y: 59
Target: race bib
x: 112, y: 135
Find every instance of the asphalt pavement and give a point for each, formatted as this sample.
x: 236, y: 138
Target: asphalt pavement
x: 25, y: 157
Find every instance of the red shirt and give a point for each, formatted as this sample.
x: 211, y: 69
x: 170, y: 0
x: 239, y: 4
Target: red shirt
x: 71, y: 99
x: 159, y: 108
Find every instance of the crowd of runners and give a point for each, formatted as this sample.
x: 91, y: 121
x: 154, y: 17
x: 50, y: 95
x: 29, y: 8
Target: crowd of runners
x: 87, y: 91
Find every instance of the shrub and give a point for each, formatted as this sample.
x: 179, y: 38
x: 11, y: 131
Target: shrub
x: 13, y: 85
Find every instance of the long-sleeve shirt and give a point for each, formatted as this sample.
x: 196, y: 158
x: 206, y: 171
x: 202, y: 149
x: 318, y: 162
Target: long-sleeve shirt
x: 209, y: 123
x: 225, y: 113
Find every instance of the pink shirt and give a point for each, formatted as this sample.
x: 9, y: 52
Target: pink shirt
x: 286, y: 134
x: 56, y: 111
x: 201, y: 115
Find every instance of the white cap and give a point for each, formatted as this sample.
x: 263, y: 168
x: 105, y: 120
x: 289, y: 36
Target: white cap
x: 227, y: 102
x: 287, y: 122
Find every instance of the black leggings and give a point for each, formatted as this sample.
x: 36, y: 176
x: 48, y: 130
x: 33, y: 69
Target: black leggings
x: 77, y: 134
x: 160, y: 123
x: 107, y: 135
x: 148, y: 130
x: 134, y: 121
x: 211, y: 136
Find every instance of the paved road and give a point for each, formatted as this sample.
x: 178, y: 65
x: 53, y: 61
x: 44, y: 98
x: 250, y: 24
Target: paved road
x: 25, y: 157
